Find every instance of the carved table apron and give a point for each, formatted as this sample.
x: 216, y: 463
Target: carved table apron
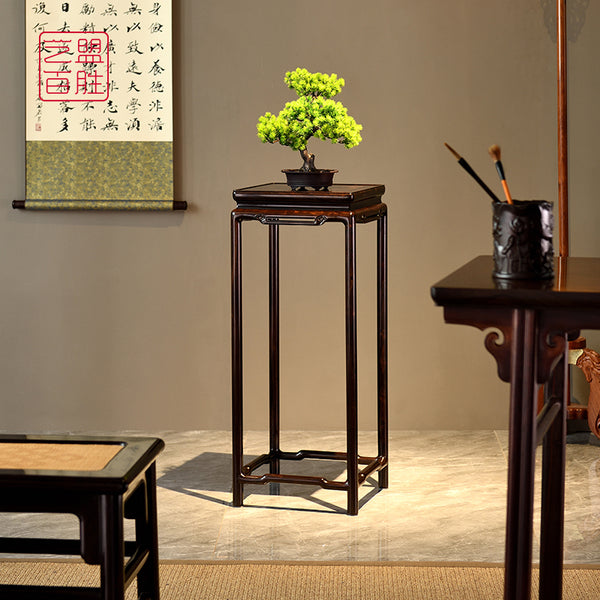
x: 531, y: 323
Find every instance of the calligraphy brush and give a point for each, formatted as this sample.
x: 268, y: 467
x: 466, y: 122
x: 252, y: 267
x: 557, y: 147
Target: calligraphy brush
x: 467, y: 167
x: 495, y: 154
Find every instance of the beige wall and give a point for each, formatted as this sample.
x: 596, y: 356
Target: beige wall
x: 121, y: 321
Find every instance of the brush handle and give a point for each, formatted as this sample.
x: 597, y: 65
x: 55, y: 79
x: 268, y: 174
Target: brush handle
x: 500, y: 170
x: 465, y: 165
x: 506, y: 192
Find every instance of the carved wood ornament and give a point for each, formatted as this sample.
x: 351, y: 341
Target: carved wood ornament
x: 589, y: 363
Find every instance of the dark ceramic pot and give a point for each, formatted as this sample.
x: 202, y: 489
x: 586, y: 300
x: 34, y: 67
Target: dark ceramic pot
x: 523, y: 239
x: 320, y: 179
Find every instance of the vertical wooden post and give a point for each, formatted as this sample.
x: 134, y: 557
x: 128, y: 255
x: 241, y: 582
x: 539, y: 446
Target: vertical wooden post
x: 237, y: 418
x: 521, y: 456
x: 274, y: 362
x: 553, y: 485
x: 382, y: 347
x: 351, y: 367
x: 563, y: 151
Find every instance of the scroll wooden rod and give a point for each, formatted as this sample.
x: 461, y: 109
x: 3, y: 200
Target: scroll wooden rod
x: 99, y: 205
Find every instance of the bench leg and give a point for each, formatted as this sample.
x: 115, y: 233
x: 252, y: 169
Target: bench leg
x: 147, y: 530
x: 113, y: 549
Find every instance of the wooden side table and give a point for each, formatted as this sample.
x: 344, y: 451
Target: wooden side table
x: 275, y: 204
x: 530, y: 322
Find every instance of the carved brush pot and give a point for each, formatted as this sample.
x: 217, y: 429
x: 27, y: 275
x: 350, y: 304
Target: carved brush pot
x: 523, y: 239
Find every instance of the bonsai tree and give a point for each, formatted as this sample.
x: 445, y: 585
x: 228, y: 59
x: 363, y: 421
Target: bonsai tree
x: 313, y: 114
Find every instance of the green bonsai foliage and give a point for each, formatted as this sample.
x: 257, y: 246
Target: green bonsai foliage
x: 313, y: 114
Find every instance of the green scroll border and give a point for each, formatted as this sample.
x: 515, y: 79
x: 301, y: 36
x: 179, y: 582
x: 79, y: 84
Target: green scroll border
x: 111, y: 174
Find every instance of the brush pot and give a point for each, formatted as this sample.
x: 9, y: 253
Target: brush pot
x: 523, y: 239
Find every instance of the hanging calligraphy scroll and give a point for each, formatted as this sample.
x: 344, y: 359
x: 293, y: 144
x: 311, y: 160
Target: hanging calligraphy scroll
x: 99, y: 105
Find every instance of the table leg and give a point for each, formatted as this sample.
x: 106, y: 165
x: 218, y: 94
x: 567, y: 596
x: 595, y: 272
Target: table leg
x: 521, y: 458
x: 553, y: 486
x: 351, y: 368
x: 382, y: 348
x: 274, y: 396
x: 236, y: 351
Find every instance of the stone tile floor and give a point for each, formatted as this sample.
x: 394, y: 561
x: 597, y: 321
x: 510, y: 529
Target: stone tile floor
x: 446, y: 502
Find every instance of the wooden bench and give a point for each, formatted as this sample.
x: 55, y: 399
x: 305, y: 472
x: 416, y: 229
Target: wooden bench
x: 103, y: 481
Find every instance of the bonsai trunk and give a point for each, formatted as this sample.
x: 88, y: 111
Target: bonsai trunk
x: 309, y: 160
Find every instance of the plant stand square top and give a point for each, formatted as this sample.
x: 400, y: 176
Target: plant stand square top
x: 345, y: 196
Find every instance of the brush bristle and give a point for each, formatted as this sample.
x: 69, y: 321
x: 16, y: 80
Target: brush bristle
x: 454, y: 152
x: 495, y: 152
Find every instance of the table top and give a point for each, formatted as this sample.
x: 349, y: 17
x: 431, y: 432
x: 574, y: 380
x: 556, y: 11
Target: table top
x: 576, y: 284
x: 280, y: 195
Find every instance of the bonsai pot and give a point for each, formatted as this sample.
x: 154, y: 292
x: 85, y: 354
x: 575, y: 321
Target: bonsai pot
x: 319, y: 179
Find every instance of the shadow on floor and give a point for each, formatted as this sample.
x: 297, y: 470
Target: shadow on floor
x: 212, y: 472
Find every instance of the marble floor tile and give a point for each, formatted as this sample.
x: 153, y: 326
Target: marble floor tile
x: 446, y: 501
